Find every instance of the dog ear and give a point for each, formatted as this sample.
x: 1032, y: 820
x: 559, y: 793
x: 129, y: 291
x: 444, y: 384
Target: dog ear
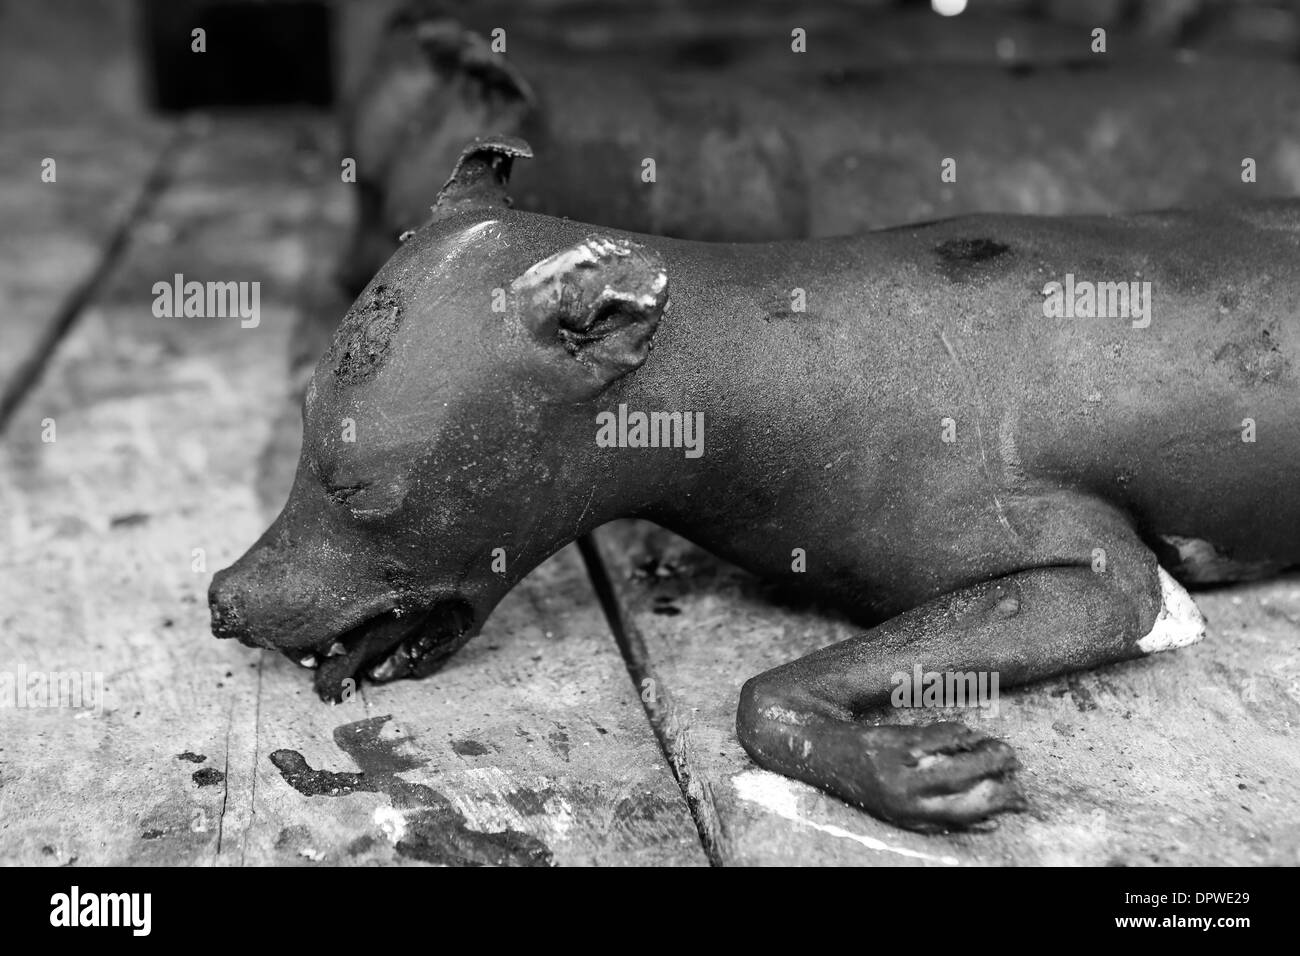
x: 454, y: 51
x: 596, y: 304
x: 481, y: 175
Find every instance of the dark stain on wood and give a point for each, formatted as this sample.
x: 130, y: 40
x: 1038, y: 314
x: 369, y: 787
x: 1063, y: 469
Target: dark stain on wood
x: 469, y: 748
x: 434, y: 830
x: 208, y: 777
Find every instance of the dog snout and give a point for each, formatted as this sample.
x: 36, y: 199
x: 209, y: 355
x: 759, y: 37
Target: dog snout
x: 228, y: 605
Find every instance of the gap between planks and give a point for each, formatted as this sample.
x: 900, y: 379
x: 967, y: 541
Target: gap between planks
x: 29, y: 370
x: 664, y: 717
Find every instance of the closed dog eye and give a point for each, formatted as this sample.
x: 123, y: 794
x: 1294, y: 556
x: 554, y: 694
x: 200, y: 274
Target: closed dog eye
x: 370, y: 499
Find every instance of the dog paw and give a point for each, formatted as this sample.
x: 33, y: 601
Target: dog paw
x: 939, y: 776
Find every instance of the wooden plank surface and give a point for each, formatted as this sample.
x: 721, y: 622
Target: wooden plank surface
x: 58, y: 232
x: 158, y: 425
x: 166, y: 441
x: 1186, y: 758
x: 68, y: 93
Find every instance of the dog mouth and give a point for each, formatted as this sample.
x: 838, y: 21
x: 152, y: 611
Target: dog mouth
x: 395, y: 644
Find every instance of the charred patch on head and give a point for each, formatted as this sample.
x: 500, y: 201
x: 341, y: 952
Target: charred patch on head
x: 963, y: 259
x: 363, y: 339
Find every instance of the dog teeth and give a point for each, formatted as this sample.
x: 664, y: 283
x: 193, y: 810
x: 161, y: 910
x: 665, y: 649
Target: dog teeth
x: 308, y: 661
x: 336, y: 649
x: 390, y: 668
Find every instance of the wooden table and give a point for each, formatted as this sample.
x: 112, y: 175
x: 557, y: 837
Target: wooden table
x: 540, y: 743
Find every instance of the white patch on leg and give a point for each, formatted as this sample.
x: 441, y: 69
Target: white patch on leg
x: 780, y: 795
x: 1179, y: 622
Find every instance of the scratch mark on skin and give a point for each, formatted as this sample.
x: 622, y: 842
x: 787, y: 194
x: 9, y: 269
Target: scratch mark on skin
x: 780, y: 795
x: 585, y: 508
x: 532, y: 529
x: 980, y: 412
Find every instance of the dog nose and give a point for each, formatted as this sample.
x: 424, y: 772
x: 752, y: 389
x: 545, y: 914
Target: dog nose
x: 226, y: 604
